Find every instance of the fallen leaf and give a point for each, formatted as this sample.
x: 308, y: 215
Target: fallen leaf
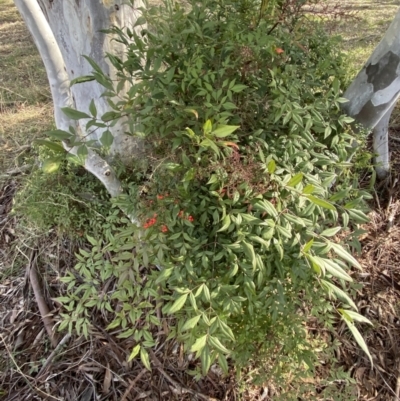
x: 107, y: 380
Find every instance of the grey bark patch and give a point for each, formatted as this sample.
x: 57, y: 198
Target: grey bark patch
x: 382, y: 74
x: 369, y: 113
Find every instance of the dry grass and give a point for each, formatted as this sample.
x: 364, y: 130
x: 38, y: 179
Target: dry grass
x: 25, y: 104
x: 361, y: 34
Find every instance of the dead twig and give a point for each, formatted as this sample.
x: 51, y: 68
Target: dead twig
x: 14, y: 93
x: 28, y: 379
x: 397, y: 391
x: 18, y: 170
x: 55, y: 352
x: 180, y: 389
x: 132, y: 384
x: 43, y: 308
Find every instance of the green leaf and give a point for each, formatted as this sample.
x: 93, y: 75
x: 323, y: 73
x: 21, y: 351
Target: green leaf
x: 266, y: 206
x: 214, y: 341
x: 140, y: 21
x: 238, y: 88
x: 189, y: 175
x: 92, y: 108
x: 93, y: 64
x: 205, y: 358
x: 330, y: 232
x: 51, y: 145
x: 226, y: 330
x: 107, y: 139
x: 308, y: 246
x: 225, y: 130
x: 165, y: 274
x: 190, y: 132
x: 316, y: 264
x: 59, y: 134
x: 82, y: 151
x: 91, y: 240
x: 358, y: 216
x: 284, y: 231
x: 206, y: 293
x: 191, y: 323
x: 226, y: 222
x: 199, y: 344
x: 336, y: 270
x: 347, y: 119
x: 308, y: 189
x: 223, y: 363
x: 110, y: 115
x: 207, y: 127
x: 345, y: 255
x: 51, y: 165
x: 295, y: 180
x: 80, y: 80
x: 339, y: 293
x: 271, y: 166
x: 168, y: 78
x: 294, y: 219
x: 144, y: 356
x: 134, y: 352
x: 207, y: 143
x: 229, y: 106
x: 355, y: 316
x: 74, y: 114
x: 213, y: 179
x: 358, y: 337
x: 249, y: 251
x: 193, y: 111
x: 178, y: 304
x: 320, y: 202
x: 192, y: 299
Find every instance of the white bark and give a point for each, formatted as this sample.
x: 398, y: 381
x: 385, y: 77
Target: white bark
x: 76, y: 25
x: 63, y: 31
x: 381, y: 144
x: 374, y: 92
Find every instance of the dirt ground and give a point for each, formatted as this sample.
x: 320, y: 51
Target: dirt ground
x: 96, y: 369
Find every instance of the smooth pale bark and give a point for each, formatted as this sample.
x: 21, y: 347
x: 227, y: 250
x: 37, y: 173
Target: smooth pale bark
x: 63, y: 31
x: 374, y: 92
x: 381, y: 144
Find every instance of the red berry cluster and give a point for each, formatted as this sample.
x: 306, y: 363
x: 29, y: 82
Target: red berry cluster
x: 162, y: 196
x: 164, y: 228
x: 182, y: 213
x: 150, y: 222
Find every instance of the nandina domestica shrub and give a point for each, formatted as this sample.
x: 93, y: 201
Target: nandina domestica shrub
x: 243, y: 185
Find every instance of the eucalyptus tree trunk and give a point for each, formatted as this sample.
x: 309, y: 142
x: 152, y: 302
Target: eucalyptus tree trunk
x: 64, y: 31
x: 374, y: 92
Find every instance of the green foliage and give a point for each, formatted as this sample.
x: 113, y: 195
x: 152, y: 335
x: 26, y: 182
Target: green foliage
x: 245, y: 186
x: 62, y: 196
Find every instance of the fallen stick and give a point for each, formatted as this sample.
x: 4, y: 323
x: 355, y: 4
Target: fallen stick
x: 55, y: 352
x: 177, y: 385
x: 132, y: 384
x: 43, y: 308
